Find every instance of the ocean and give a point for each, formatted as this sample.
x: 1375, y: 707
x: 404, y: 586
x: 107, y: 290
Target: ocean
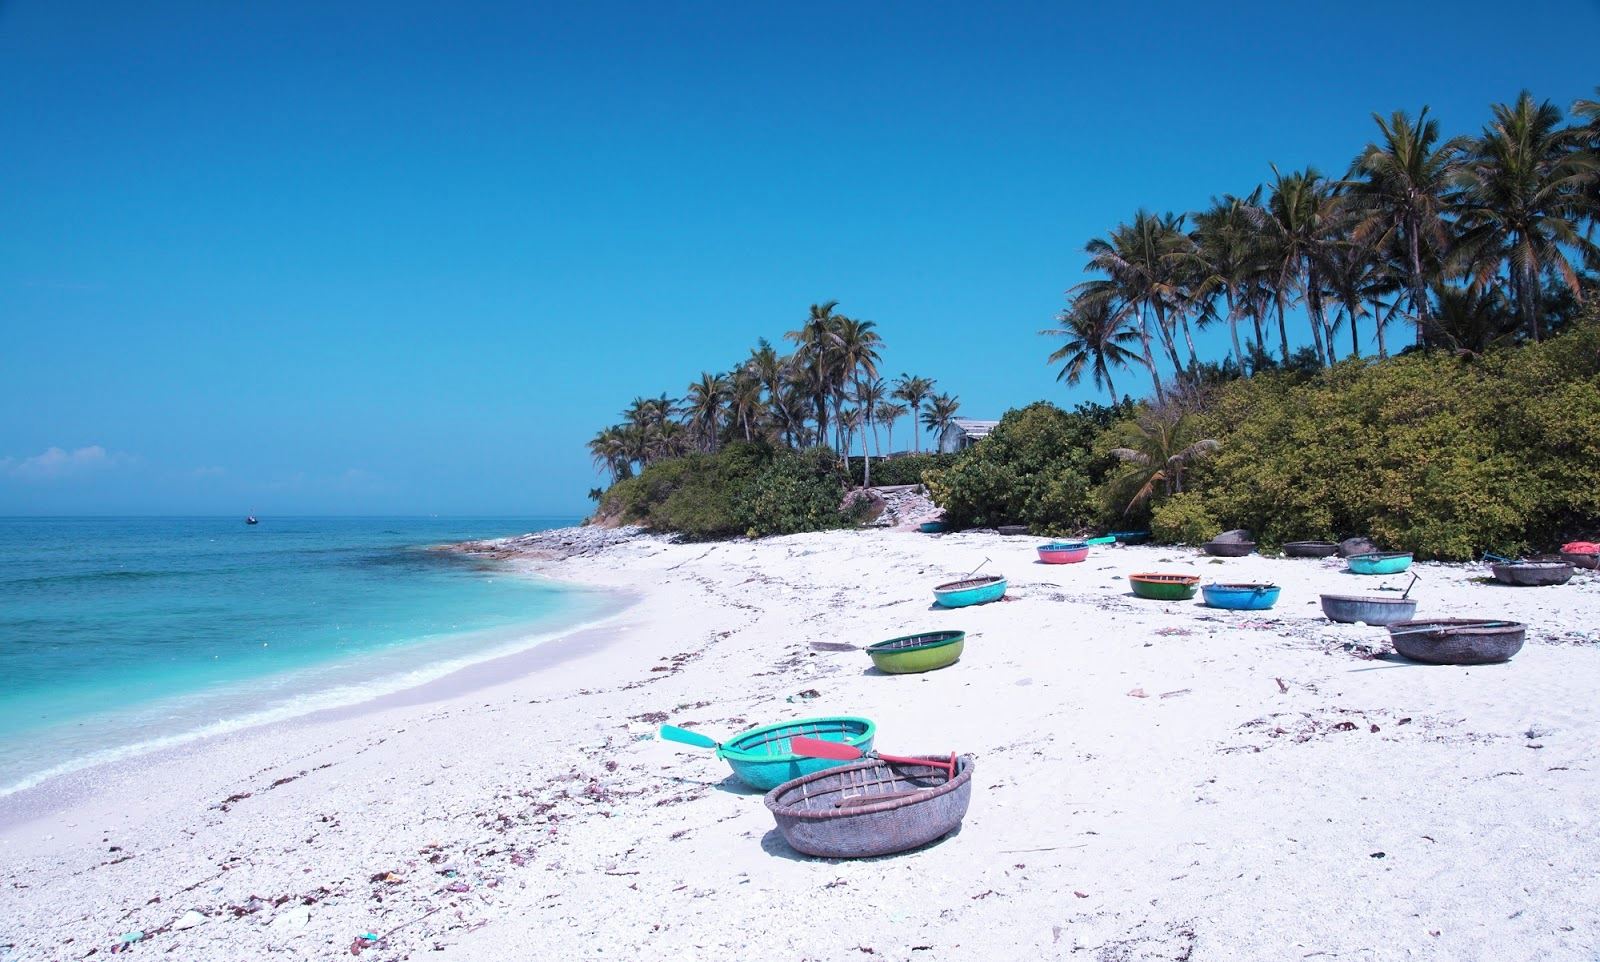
x: 120, y: 635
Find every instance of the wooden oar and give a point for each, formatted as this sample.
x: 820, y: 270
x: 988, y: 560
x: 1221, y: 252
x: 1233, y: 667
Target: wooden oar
x: 817, y: 748
x: 673, y: 733
x: 1404, y: 594
x: 856, y: 801
x: 1438, y: 629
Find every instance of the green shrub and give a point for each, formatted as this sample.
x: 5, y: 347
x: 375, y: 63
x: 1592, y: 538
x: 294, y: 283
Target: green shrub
x: 1034, y: 469
x: 1183, y: 519
x: 904, y: 469
x: 797, y: 492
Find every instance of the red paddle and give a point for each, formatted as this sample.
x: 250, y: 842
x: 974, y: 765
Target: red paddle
x: 817, y: 748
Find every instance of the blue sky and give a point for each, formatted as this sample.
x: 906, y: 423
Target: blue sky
x: 407, y: 257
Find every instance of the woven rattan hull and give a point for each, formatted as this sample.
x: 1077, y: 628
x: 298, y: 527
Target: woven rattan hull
x: 809, y: 815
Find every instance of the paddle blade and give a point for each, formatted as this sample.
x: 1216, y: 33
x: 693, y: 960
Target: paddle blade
x: 834, y: 646
x: 673, y: 733
x: 817, y: 748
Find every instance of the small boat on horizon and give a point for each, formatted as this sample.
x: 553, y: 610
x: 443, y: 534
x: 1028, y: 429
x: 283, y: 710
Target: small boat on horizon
x: 251, y: 519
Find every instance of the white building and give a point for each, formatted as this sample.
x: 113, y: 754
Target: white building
x: 963, y: 433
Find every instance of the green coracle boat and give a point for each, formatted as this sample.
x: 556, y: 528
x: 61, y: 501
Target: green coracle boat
x: 1164, y: 587
x: 913, y: 653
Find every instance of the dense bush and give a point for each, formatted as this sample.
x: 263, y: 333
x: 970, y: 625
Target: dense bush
x: 903, y: 469
x: 1183, y: 519
x: 747, y: 488
x: 1036, y: 468
x: 1431, y: 453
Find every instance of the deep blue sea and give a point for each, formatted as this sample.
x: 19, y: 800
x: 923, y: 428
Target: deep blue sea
x: 118, y: 635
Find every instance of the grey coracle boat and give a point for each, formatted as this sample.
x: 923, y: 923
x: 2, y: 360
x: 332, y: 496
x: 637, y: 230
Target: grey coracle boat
x: 1532, y: 574
x: 871, y: 807
x: 1458, y: 641
x: 1310, y: 549
x: 1367, y: 609
x: 1228, y: 549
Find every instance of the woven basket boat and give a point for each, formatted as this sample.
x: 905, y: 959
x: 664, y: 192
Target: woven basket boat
x: 914, y: 653
x: 1310, y: 549
x: 1063, y: 552
x: 1131, y: 537
x: 970, y: 591
x: 761, y: 756
x: 1241, y: 597
x: 933, y: 527
x: 1579, y: 559
x: 1379, y: 562
x: 1458, y: 641
x: 1164, y: 587
x: 1228, y: 549
x: 831, y: 814
x: 1532, y: 574
x: 1012, y: 530
x: 1349, y: 609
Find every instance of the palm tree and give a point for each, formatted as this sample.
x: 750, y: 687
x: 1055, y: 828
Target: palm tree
x: 849, y: 420
x: 870, y: 394
x: 1137, y: 260
x: 888, y: 414
x: 858, y: 344
x: 1301, y: 212
x: 815, y: 358
x: 745, y: 405
x: 939, y: 412
x: 1159, y: 446
x: 1098, y: 338
x: 1521, y: 202
x: 703, y: 408
x: 647, y: 418
x: 1226, y: 254
x: 610, y: 450
x: 1399, y: 189
x: 914, y: 391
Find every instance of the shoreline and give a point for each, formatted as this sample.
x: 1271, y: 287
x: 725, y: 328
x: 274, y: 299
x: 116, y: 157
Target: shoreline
x: 1136, y: 759
x: 441, y: 677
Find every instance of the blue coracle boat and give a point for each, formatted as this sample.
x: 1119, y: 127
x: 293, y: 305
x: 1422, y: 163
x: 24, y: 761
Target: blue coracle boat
x: 1379, y: 563
x: 1241, y: 597
x: 971, y: 591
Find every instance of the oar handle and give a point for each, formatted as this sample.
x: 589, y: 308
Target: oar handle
x: 673, y: 733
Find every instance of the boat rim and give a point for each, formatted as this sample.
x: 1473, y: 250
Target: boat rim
x: 941, y: 638
x: 1160, y: 578
x: 964, y: 766
x: 967, y: 584
x: 728, y: 752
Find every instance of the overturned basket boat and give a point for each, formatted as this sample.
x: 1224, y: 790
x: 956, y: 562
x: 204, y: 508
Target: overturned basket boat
x: 1379, y: 562
x: 1458, y: 641
x: 1130, y: 537
x: 761, y: 756
x: 1164, y: 587
x: 1241, y: 597
x: 914, y: 653
x: 1012, y: 530
x: 1310, y: 549
x: 871, y: 807
x: 1369, y: 610
x: 1228, y: 549
x: 1063, y: 552
x: 971, y: 591
x: 1581, y: 559
x: 933, y: 527
x: 1532, y: 574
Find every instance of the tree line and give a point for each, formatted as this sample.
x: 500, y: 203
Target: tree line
x: 827, y: 391
x: 1468, y: 242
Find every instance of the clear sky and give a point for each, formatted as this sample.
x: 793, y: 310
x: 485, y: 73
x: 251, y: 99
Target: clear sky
x: 406, y: 257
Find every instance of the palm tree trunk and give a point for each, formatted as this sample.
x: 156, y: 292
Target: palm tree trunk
x: 1110, y: 388
x: 1283, y: 330
x: 1168, y: 341
x: 1150, y: 362
x: 1419, y: 296
x: 1233, y: 325
x: 1377, y: 326
x: 1355, y: 336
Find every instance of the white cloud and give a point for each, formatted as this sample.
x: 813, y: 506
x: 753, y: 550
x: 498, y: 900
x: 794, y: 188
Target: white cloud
x: 56, y: 463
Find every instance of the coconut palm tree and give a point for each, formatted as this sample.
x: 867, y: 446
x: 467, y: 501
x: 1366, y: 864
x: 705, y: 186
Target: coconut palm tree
x: 745, y: 404
x: 858, y: 346
x: 816, y: 359
x: 1098, y: 339
x: 1226, y: 255
x: 888, y: 414
x: 1158, y: 447
x: 914, y: 391
x: 610, y: 450
x: 1521, y: 203
x: 1137, y: 260
x: 1399, y: 189
x: 703, y: 407
x: 939, y: 411
x: 849, y: 420
x: 1301, y: 215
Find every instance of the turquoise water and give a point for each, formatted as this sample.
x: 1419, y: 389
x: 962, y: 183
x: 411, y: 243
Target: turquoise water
x: 122, y: 634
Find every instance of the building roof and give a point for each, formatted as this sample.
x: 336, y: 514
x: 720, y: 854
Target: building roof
x: 973, y: 427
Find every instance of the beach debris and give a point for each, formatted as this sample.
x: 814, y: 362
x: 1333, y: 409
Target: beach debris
x: 190, y: 919
x: 1282, y: 688
x: 806, y: 695
x: 1175, y: 694
x: 1138, y: 693
x: 295, y: 918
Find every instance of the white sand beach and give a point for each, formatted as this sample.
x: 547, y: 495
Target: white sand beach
x: 1153, y: 781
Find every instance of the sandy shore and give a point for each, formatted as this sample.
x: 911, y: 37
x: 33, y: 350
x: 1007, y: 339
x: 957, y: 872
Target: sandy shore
x: 1154, y: 781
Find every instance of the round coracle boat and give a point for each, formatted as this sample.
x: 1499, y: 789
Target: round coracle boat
x: 1379, y: 562
x: 1228, y: 549
x: 761, y: 756
x: 1458, y: 641
x: 1164, y: 587
x: 871, y: 807
x: 1012, y: 530
x: 916, y: 653
x: 971, y: 591
x: 1063, y: 552
x: 933, y: 527
x: 1532, y: 574
x: 1241, y: 597
x: 1310, y: 549
x: 1368, y: 610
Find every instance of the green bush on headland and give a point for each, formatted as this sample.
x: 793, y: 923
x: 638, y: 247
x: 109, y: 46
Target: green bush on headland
x: 746, y: 488
x: 901, y: 469
x: 1441, y: 455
